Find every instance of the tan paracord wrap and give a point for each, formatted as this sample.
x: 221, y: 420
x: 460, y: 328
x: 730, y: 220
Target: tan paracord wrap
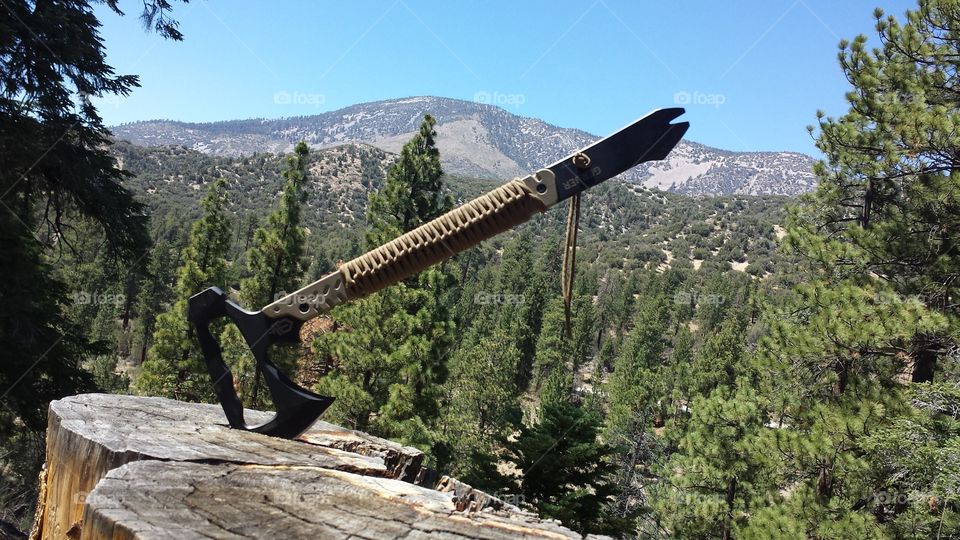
x: 486, y: 216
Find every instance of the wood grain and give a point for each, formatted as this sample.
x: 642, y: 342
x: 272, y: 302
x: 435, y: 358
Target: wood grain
x: 141, y: 467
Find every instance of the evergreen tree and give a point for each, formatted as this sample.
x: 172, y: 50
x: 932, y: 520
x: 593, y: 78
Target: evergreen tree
x: 680, y: 371
x: 888, y: 197
x: 554, y: 349
x: 391, y: 352
x: 482, y: 409
x: 175, y: 367
x: 831, y: 384
x: 525, y: 283
x: 634, y: 386
x: 925, y: 472
x: 413, y: 192
x: 719, y: 361
x: 156, y: 288
x: 724, y: 296
x: 634, y: 392
x: 873, y: 314
x: 276, y: 253
x: 584, y: 329
x: 274, y: 260
x: 55, y: 167
x: 720, y: 474
x: 565, y: 470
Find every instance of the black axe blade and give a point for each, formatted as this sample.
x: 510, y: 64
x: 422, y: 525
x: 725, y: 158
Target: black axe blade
x: 297, y: 407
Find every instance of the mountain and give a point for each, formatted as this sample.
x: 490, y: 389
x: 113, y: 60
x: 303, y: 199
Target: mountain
x: 481, y: 140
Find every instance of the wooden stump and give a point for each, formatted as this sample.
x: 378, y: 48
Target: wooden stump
x: 138, y: 467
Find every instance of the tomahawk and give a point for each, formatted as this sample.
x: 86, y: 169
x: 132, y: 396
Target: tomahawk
x: 649, y: 138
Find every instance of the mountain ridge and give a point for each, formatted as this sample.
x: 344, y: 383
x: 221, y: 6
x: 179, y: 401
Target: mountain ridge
x: 480, y: 140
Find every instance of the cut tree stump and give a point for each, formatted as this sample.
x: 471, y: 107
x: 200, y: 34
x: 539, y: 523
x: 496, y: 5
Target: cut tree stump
x: 139, y: 467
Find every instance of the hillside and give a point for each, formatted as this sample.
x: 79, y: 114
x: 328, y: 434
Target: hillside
x: 483, y: 141
x: 623, y: 224
x: 174, y: 178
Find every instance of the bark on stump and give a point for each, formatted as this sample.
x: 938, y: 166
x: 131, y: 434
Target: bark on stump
x: 138, y: 467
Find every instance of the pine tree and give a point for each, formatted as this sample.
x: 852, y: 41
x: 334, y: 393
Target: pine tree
x: 413, y: 192
x: 873, y: 314
x: 392, y: 347
x: 54, y: 163
x: 154, y: 291
x: 554, y: 348
x: 584, y: 329
x: 719, y: 361
x: 634, y: 392
x: 175, y: 367
x: 634, y: 386
x: 888, y: 195
x: 276, y: 253
x: 525, y: 284
x: 720, y: 474
x: 681, y: 359
x: 831, y: 384
x: 565, y: 471
x: 482, y: 409
x: 274, y: 260
x: 926, y: 469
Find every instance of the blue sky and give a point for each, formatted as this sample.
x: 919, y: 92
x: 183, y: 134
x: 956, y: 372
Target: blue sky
x: 751, y: 74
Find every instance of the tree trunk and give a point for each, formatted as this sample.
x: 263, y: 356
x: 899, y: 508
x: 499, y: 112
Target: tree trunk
x: 924, y: 365
x: 843, y: 374
x: 137, y: 467
x: 731, y: 497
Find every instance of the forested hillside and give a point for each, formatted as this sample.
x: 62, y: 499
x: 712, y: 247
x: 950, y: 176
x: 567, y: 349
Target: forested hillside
x: 622, y: 223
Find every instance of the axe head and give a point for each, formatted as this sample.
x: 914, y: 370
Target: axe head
x: 297, y: 407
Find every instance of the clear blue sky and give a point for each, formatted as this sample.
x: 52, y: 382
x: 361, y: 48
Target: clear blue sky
x: 754, y: 73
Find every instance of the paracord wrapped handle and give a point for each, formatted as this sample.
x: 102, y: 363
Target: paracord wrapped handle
x: 460, y: 229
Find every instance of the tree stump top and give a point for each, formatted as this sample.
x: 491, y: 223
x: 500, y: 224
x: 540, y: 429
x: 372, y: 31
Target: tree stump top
x: 158, y: 428
x: 139, y: 467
